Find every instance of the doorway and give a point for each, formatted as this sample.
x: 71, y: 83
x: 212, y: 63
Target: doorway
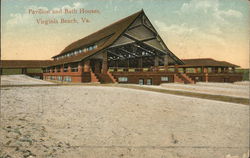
x: 96, y: 65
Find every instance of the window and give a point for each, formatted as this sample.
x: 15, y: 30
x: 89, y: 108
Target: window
x: 141, y: 81
x: 90, y: 48
x: 190, y: 70
x: 59, y: 78
x: 197, y: 78
x: 67, y: 79
x: 164, y: 78
x: 122, y: 79
x: 149, y: 81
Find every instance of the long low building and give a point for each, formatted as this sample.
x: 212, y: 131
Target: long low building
x: 131, y: 51
x: 33, y: 68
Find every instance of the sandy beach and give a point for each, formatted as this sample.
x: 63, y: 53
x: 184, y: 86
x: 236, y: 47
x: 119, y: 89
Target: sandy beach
x: 109, y: 122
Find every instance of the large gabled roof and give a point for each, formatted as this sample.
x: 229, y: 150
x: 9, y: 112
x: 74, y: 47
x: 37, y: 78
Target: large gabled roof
x: 114, y: 31
x: 207, y: 62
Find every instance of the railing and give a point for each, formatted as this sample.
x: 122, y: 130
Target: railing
x: 170, y: 69
x: 149, y: 69
x: 74, y: 69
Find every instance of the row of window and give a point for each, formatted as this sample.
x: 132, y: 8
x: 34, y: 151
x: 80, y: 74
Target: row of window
x: 75, y: 69
x: 125, y: 79
x: 82, y: 50
x: 122, y: 79
x: 60, y: 78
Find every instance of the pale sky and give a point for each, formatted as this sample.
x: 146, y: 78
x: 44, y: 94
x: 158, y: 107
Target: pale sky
x: 216, y: 29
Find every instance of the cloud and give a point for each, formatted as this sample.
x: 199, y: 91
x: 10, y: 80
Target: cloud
x: 184, y: 32
x: 18, y: 19
x: 174, y: 28
x: 75, y: 5
x: 231, y: 13
x: 209, y: 7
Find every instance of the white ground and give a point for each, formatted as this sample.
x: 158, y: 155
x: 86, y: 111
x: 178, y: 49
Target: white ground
x: 20, y: 80
x: 85, y: 121
x: 94, y: 122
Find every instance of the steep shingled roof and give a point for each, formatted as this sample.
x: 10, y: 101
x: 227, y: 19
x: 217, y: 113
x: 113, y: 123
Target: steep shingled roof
x: 114, y: 31
x: 207, y: 62
x: 25, y: 63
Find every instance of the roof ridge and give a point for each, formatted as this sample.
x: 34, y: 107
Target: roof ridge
x: 98, y: 31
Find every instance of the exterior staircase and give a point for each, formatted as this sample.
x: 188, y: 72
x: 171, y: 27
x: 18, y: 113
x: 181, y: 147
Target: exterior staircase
x: 93, y: 77
x: 183, y: 78
x: 106, y: 78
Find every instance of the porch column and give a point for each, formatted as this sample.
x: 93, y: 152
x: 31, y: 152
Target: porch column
x: 140, y: 63
x: 196, y: 70
x: 176, y: 69
x: 105, y: 62
x: 86, y: 67
x: 97, y: 67
x: 184, y: 70
x: 156, y: 61
x: 166, y: 60
x: 206, y: 77
x: 80, y: 67
x: 69, y: 68
x: 61, y: 68
x: 205, y: 70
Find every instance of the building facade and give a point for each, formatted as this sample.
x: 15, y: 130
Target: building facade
x: 33, y: 68
x: 131, y: 51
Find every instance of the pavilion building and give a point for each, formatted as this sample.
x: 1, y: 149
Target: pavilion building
x: 131, y: 51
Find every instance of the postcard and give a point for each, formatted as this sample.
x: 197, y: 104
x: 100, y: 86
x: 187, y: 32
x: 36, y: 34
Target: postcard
x: 124, y: 79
